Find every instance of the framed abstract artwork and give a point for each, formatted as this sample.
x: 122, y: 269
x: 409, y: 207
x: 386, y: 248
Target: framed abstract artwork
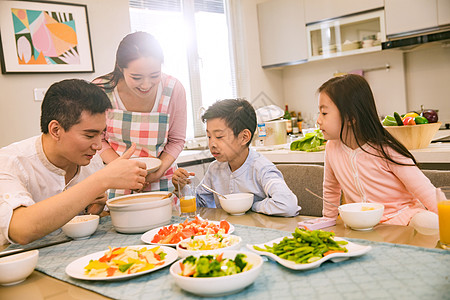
x: 44, y: 37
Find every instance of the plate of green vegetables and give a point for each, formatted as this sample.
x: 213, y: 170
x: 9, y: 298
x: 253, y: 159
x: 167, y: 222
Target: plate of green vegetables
x: 308, y: 249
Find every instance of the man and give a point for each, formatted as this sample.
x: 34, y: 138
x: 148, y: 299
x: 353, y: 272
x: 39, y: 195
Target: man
x: 46, y: 180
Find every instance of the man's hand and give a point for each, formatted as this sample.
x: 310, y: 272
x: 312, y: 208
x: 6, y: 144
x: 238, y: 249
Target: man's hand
x: 125, y: 173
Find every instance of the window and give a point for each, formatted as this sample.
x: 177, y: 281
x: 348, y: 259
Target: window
x: 194, y: 35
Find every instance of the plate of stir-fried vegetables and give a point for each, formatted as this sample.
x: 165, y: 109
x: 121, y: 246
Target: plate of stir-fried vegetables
x: 121, y: 262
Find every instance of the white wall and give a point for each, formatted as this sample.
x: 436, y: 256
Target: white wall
x: 301, y: 82
x: 428, y: 79
x: 260, y: 85
x: 421, y: 76
x: 109, y: 22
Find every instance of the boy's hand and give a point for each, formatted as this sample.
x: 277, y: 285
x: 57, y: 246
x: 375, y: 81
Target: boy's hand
x: 180, y: 178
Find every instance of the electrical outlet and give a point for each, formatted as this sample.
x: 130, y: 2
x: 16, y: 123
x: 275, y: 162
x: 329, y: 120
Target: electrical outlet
x: 39, y: 94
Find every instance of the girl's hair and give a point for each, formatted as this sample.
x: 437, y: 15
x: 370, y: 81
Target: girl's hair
x: 354, y: 99
x: 133, y: 46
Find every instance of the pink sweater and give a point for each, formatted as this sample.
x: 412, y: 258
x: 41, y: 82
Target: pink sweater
x: 403, y: 190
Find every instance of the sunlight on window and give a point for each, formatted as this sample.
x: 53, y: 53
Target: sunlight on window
x: 213, y: 80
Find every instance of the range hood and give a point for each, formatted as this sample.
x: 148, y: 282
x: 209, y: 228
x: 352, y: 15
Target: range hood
x: 412, y: 40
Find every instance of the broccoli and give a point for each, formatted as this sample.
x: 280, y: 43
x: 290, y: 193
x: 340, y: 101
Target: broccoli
x: 203, y: 267
x: 232, y: 268
x: 240, y: 261
x: 191, y: 259
x: 189, y: 266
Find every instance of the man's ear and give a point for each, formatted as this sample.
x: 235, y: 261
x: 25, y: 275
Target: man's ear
x: 246, y: 136
x: 55, y: 129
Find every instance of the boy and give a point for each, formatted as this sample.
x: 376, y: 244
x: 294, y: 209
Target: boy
x: 230, y: 125
x: 46, y: 180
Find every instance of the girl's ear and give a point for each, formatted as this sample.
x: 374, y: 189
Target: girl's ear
x: 55, y: 130
x: 246, y: 136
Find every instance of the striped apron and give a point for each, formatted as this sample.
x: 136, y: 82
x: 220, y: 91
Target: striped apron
x: 148, y: 130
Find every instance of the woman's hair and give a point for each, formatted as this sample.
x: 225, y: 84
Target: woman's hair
x: 354, y: 99
x: 238, y: 114
x: 64, y: 102
x: 133, y: 46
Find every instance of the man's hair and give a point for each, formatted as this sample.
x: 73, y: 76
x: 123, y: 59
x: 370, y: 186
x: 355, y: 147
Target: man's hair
x: 238, y: 115
x: 64, y: 102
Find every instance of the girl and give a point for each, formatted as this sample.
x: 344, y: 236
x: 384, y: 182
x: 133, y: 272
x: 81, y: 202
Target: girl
x: 149, y: 109
x: 364, y: 161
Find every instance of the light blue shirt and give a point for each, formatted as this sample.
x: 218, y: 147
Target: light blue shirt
x: 258, y: 176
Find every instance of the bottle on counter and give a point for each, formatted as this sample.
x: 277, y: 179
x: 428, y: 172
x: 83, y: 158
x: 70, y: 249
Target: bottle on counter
x: 295, y: 128
x: 299, y: 121
x: 288, y: 118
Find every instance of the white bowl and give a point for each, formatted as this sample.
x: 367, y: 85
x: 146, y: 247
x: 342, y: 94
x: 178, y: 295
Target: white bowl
x: 237, y: 204
x: 17, y: 267
x: 137, y: 213
x: 185, y: 253
x: 219, y: 286
x: 81, y: 227
x: 356, y: 218
x: 152, y: 163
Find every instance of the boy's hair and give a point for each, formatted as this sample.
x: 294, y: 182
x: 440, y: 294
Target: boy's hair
x: 134, y: 46
x: 238, y: 114
x: 64, y: 102
x: 354, y: 99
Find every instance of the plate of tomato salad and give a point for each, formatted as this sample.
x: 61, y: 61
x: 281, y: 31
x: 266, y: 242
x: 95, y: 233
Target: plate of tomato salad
x: 171, y: 234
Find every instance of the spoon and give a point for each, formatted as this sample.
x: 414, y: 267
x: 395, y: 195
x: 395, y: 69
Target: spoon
x: 211, y: 190
x: 320, y: 197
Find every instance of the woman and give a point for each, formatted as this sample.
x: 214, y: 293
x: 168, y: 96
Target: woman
x: 149, y: 109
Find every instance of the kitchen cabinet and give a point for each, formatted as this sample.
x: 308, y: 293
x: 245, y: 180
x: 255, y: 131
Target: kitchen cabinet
x: 282, y: 32
x: 318, y: 10
x: 410, y: 15
x: 443, y: 9
x: 349, y: 35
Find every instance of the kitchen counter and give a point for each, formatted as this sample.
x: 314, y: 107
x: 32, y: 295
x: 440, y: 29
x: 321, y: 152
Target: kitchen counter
x: 436, y: 156
x: 435, y: 153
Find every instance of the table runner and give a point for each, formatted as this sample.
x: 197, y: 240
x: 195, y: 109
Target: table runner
x: 388, y: 271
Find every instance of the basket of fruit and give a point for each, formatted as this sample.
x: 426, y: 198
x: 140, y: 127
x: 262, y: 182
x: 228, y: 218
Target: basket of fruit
x: 413, y: 130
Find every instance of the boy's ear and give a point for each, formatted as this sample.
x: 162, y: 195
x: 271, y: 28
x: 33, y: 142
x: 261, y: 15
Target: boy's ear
x: 54, y: 129
x: 246, y: 136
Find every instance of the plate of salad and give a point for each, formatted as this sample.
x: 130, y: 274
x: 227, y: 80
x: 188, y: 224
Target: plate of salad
x: 171, y: 234
x: 307, y: 249
x: 121, y: 262
x: 217, y: 275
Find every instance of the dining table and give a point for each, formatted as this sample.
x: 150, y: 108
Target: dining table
x: 402, y: 264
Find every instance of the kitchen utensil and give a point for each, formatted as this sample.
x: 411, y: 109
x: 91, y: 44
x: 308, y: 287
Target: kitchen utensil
x: 16, y: 251
x: 311, y: 192
x: 137, y: 213
x: 213, y: 191
x: 81, y: 227
x: 237, y: 204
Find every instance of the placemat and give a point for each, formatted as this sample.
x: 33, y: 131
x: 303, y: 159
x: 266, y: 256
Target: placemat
x: 388, y: 271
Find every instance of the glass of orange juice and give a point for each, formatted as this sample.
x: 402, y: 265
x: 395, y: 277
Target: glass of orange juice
x: 443, y: 199
x: 188, y: 203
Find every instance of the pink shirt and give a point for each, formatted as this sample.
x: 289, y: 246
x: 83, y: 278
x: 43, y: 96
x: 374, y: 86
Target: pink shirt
x: 403, y: 190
